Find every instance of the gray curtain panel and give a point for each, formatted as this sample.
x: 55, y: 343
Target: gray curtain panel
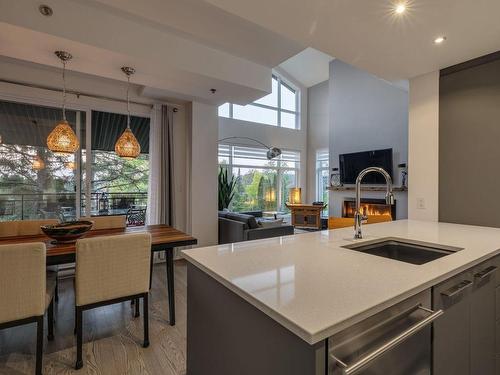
x: 166, y: 167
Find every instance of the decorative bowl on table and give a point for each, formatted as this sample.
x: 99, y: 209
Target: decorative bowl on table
x: 68, y: 231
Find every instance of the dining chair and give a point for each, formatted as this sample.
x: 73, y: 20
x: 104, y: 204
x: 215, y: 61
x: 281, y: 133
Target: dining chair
x: 24, y: 227
x: 26, y: 292
x: 111, y: 270
x: 30, y: 228
x: 107, y: 222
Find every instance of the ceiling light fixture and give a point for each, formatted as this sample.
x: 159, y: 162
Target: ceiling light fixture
x: 439, y: 39
x: 45, y: 10
x: 38, y: 164
x: 400, y: 8
x: 62, y: 139
x: 127, y: 146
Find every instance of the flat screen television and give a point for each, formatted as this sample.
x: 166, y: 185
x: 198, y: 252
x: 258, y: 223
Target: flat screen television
x: 352, y: 164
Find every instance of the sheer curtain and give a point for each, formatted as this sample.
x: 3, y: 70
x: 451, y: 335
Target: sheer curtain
x: 161, y: 166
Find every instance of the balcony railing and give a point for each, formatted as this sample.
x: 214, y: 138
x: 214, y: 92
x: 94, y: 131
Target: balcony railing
x: 62, y: 206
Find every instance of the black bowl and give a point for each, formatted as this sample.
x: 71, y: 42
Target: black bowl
x: 67, y: 232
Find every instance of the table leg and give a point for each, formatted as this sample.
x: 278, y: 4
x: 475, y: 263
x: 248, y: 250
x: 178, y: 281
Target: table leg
x: 170, y: 285
x: 151, y: 269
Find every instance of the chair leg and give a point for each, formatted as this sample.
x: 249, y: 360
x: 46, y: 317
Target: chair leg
x: 79, y: 338
x: 39, y: 345
x: 145, y: 313
x: 50, y: 321
x: 151, y: 258
x: 56, y: 292
x: 137, y: 312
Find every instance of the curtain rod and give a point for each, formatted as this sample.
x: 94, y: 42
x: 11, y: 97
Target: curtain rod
x: 76, y: 93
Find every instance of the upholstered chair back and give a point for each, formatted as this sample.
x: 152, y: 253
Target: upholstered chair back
x: 22, y: 281
x: 107, y: 222
x: 23, y: 227
x: 112, y: 267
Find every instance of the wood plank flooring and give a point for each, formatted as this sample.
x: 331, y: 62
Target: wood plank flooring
x: 112, y: 337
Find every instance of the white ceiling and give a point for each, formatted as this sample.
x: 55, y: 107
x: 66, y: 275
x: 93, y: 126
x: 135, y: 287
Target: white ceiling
x: 309, y: 67
x: 367, y: 33
x: 179, y: 48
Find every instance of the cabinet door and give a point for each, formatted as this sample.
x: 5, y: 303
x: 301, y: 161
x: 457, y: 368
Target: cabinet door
x: 451, y: 343
x: 482, y: 324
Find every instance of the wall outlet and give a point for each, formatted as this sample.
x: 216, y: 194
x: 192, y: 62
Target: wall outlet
x: 421, y: 203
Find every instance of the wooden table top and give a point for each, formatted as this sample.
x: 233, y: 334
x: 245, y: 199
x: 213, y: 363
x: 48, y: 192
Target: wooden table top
x: 161, y: 236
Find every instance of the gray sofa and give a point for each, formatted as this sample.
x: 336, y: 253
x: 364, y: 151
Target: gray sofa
x: 237, y: 227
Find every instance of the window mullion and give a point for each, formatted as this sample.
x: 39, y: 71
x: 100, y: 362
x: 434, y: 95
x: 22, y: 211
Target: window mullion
x: 279, y: 102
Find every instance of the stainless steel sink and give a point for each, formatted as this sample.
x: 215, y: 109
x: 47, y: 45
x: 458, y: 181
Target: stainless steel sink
x: 409, y: 251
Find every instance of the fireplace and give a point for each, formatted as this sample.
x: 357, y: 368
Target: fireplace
x: 369, y: 207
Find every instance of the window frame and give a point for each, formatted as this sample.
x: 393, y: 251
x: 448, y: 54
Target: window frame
x: 279, y: 109
x: 279, y: 168
x: 320, y: 169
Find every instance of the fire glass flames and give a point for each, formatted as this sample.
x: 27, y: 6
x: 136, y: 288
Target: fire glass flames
x: 369, y: 208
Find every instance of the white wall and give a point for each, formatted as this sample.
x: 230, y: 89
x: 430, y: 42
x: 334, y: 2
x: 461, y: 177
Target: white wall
x: 290, y: 139
x: 423, y: 148
x: 202, y: 161
x: 318, y: 130
x: 366, y: 113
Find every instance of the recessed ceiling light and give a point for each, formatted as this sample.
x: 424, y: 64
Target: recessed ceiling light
x: 400, y: 8
x: 45, y: 10
x: 439, y: 39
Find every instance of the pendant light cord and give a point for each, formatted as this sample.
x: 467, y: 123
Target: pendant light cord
x: 64, y: 90
x: 128, y: 101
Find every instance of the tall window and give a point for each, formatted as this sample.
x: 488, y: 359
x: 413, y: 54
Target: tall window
x: 279, y: 108
x: 322, y: 175
x: 262, y: 184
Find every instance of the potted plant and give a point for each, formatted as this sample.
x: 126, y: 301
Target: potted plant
x: 226, y: 188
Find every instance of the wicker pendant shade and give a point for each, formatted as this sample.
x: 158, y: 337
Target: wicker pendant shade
x: 127, y: 145
x: 62, y: 139
x: 38, y: 164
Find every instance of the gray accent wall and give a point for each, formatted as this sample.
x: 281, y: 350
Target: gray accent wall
x: 366, y: 113
x: 469, y: 146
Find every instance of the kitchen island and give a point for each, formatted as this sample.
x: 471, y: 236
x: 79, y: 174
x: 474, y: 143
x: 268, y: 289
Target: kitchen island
x: 273, y: 306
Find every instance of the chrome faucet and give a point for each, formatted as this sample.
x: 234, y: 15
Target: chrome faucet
x: 389, y: 197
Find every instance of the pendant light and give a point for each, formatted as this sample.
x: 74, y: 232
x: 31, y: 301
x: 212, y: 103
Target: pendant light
x: 62, y: 139
x: 38, y: 164
x: 127, y: 146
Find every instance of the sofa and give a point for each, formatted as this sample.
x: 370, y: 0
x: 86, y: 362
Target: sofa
x: 237, y: 227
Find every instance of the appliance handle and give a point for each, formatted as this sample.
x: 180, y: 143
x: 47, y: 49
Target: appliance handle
x: 486, y: 272
x: 457, y: 289
x: 370, y: 357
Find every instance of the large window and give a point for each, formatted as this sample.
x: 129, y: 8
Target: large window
x: 262, y: 184
x: 36, y: 183
x: 322, y: 175
x: 279, y: 108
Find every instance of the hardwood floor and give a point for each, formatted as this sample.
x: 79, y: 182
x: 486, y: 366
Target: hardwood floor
x: 112, y: 337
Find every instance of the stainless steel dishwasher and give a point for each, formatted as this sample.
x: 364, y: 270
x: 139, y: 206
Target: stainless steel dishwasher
x: 396, y: 341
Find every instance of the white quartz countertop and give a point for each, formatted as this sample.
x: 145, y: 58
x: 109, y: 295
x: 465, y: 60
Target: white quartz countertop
x: 312, y: 286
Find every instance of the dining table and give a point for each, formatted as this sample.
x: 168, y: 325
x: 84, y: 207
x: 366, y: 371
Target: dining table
x: 163, y: 238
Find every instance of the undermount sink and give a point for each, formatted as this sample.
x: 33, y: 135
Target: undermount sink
x: 409, y: 251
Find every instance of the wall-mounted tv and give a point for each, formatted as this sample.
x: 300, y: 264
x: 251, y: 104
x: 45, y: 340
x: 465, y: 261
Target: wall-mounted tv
x: 352, y: 164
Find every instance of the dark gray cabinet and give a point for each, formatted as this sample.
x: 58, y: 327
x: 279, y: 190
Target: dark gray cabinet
x: 451, y: 333
x: 482, y: 319
x: 464, y: 337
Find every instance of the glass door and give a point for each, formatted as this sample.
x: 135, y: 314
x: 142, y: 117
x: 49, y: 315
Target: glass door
x: 36, y: 183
